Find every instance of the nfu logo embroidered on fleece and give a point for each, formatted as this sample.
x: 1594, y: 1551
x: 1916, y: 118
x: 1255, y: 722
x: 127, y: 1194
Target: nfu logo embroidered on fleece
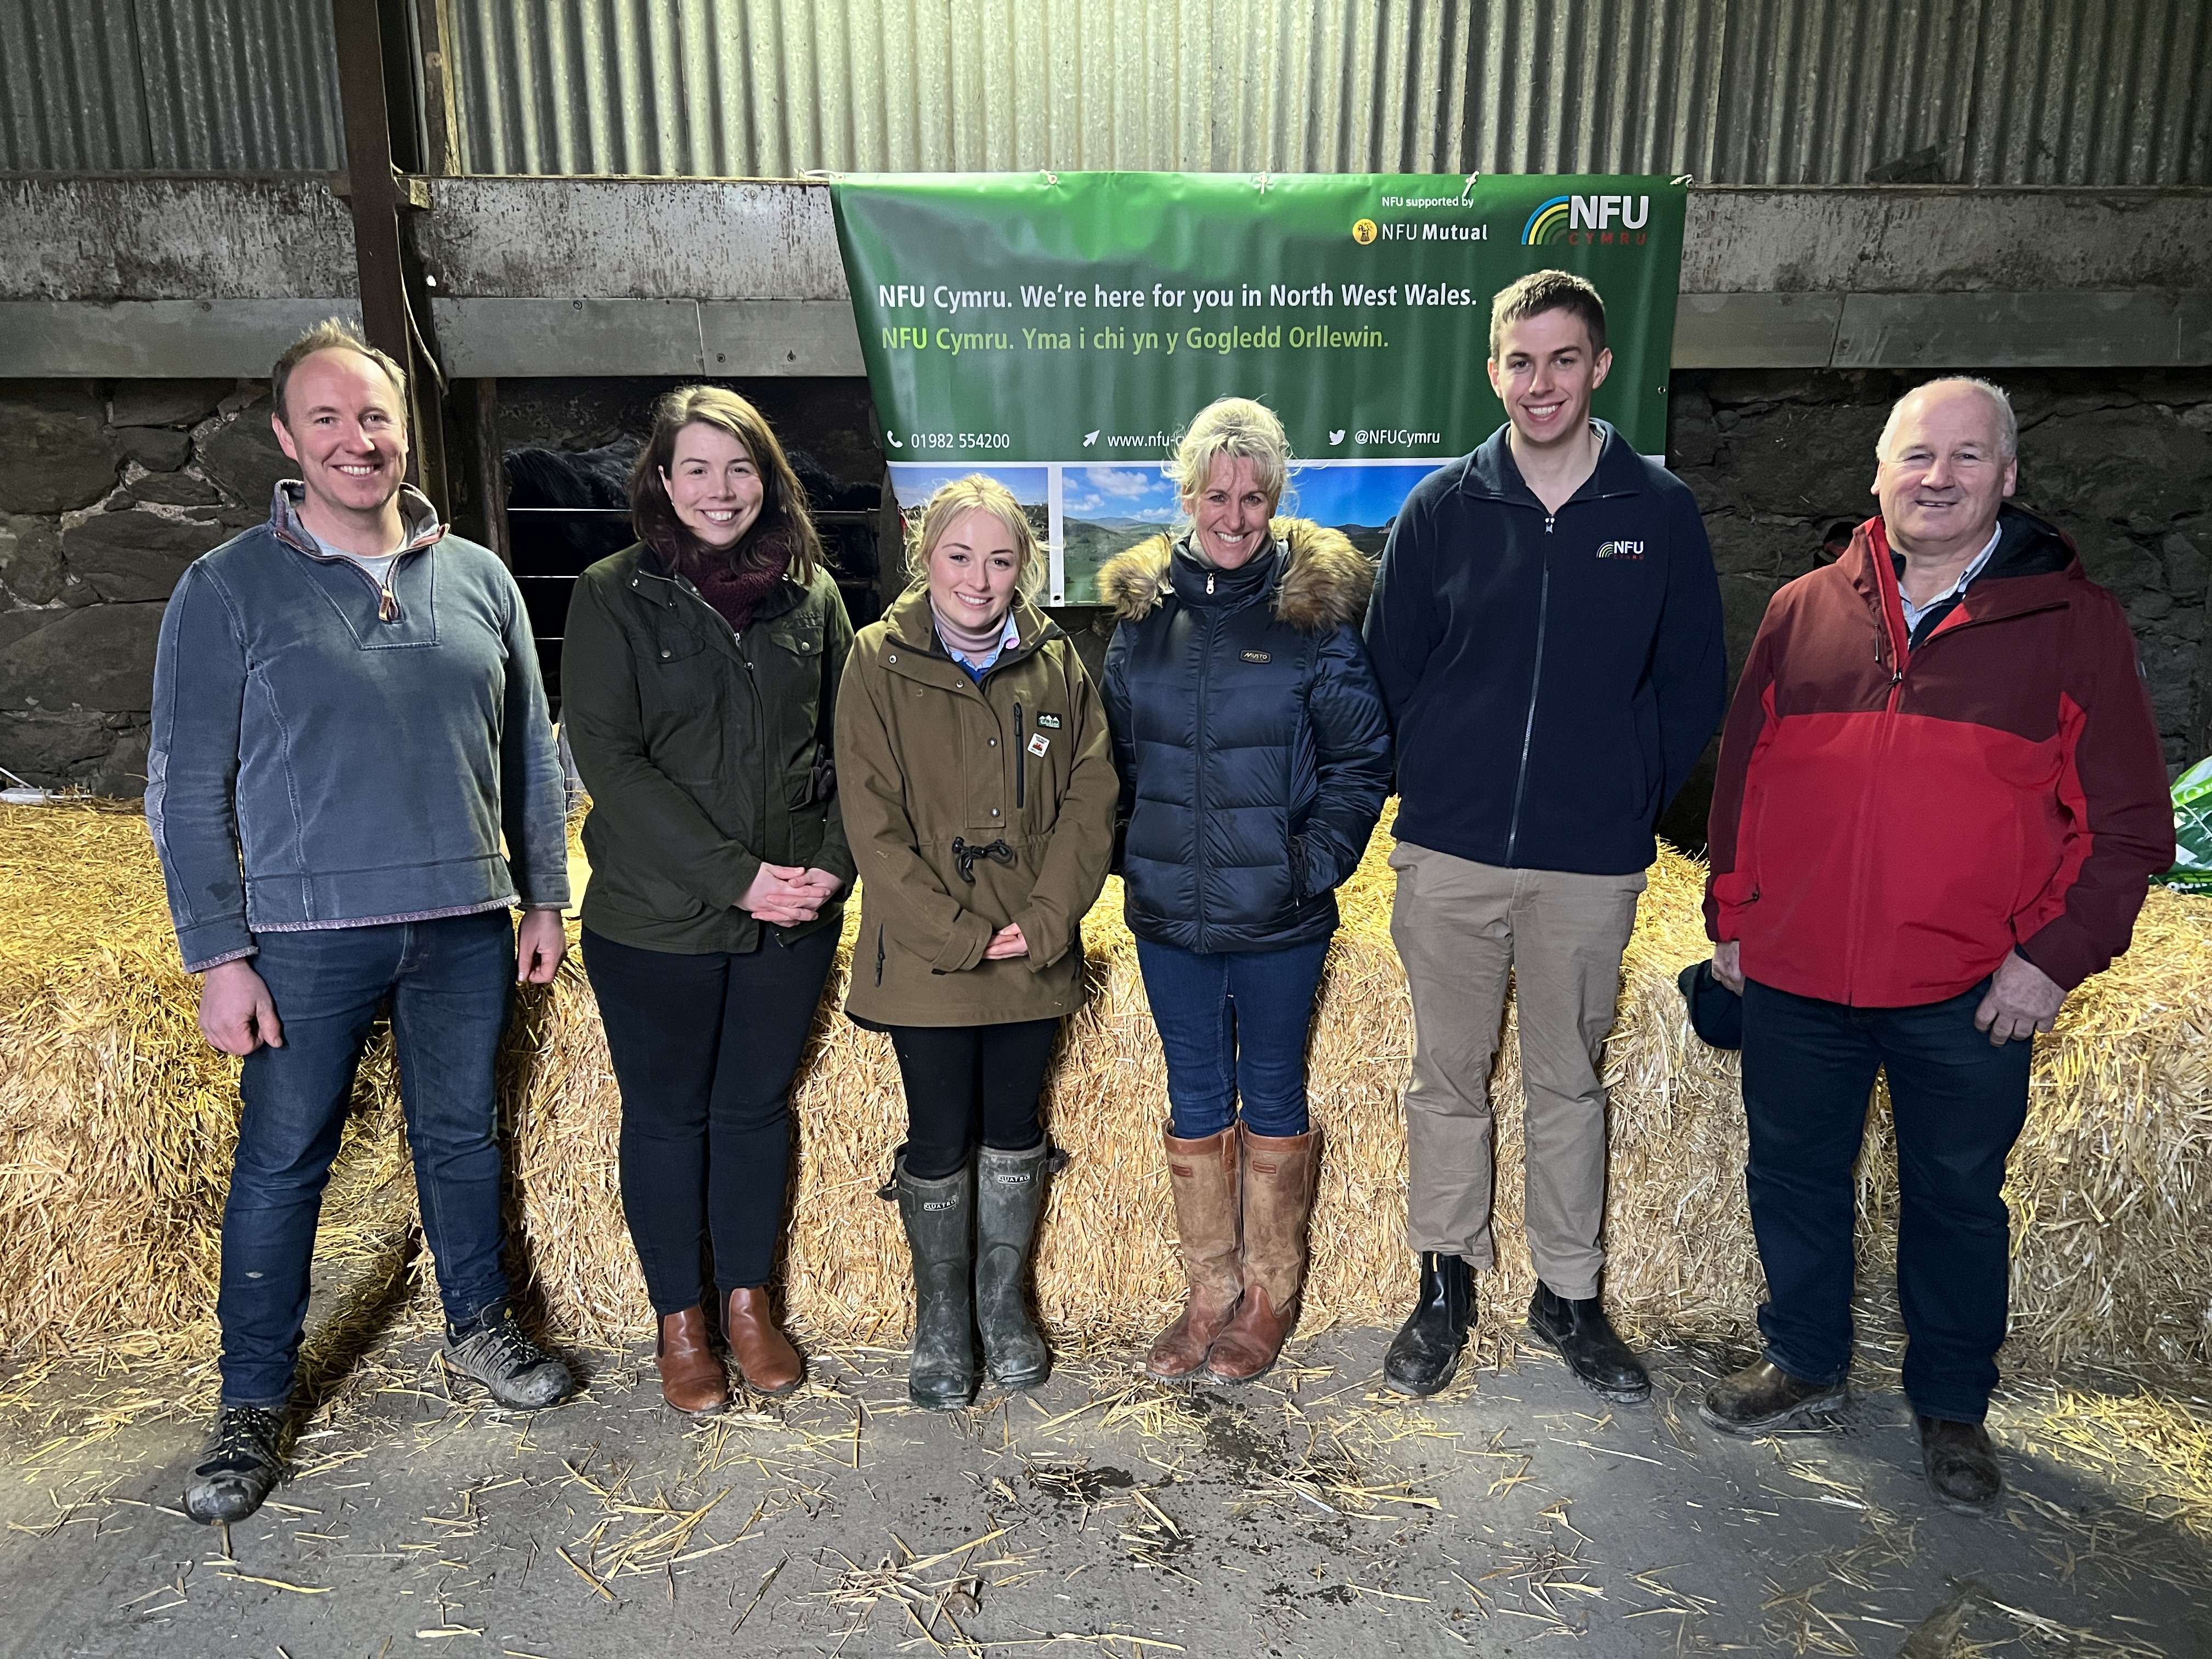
x: 1621, y: 550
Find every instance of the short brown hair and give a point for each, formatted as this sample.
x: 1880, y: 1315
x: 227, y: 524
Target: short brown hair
x: 783, y: 512
x: 1541, y: 291
x: 977, y: 492
x: 333, y: 334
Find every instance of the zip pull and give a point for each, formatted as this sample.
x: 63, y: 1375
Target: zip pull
x: 388, y: 603
x: 1550, y: 519
x: 1209, y: 581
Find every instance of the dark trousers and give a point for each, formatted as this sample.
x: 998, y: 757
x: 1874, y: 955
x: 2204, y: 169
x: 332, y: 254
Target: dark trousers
x: 451, y: 983
x: 1958, y: 1104
x: 1232, y: 1028
x: 704, y: 1049
x: 962, y: 1080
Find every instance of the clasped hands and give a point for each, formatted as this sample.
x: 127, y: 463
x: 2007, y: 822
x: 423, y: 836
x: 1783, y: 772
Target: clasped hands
x: 787, y: 894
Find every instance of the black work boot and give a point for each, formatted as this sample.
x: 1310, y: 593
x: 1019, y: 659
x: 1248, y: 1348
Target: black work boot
x: 1960, y: 1464
x: 940, y: 1232
x: 1585, y: 1338
x: 1762, y: 1398
x: 1425, y: 1352
x: 241, y: 1466
x: 1008, y: 1193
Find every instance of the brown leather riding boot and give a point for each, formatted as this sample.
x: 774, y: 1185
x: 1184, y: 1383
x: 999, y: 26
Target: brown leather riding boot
x: 1202, y: 1175
x: 691, y: 1376
x: 1279, y: 1193
x: 770, y: 1365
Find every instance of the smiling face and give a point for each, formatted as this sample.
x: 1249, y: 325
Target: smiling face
x: 1943, y: 472
x: 346, y: 425
x: 713, y: 485
x: 1230, y: 512
x: 1544, y: 374
x: 974, y: 570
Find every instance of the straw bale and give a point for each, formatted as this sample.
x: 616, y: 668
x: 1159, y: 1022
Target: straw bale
x: 117, y: 1125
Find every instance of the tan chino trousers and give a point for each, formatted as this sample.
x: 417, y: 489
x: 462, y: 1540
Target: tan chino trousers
x: 1463, y: 930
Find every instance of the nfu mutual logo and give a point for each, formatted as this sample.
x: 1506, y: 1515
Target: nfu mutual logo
x: 1579, y: 219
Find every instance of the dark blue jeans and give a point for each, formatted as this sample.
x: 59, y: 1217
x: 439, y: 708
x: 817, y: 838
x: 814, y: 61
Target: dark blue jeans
x: 1958, y: 1104
x: 451, y: 983
x: 1233, y: 1025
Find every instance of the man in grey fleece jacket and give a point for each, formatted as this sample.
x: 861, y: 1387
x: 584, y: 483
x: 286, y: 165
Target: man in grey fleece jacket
x: 347, y: 719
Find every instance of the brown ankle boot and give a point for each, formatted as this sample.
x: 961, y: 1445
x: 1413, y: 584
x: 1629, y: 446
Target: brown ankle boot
x: 1202, y: 1175
x: 770, y: 1365
x: 691, y: 1378
x: 1278, y: 1192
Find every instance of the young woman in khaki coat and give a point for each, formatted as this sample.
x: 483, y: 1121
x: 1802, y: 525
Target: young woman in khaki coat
x: 977, y: 783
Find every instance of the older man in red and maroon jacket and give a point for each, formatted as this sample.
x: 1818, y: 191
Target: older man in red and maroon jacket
x: 1941, y: 798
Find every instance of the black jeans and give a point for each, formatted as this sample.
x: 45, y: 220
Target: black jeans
x: 961, y: 1078
x: 704, y: 1047
x: 1958, y: 1104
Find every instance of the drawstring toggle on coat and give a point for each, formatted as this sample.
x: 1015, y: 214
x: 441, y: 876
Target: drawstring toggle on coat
x: 965, y: 856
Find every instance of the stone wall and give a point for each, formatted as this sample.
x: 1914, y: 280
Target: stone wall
x: 108, y: 490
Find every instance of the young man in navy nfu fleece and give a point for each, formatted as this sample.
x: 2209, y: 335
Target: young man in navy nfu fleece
x: 1546, y: 631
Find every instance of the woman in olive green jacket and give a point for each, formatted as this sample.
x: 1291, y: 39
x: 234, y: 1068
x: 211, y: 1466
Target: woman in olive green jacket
x: 978, y: 787
x: 699, y: 675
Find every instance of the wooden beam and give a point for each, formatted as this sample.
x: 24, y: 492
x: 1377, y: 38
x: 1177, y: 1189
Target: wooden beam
x: 374, y: 192
x: 442, y: 121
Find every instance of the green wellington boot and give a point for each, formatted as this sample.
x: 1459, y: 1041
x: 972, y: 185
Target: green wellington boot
x: 940, y: 1232
x: 1009, y: 1195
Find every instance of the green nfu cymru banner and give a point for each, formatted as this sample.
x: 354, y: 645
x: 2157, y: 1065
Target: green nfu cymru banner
x: 1058, y: 331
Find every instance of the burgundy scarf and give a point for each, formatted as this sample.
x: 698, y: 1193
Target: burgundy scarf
x: 734, y: 586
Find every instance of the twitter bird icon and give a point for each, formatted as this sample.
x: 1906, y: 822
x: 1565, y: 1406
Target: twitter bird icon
x: 1337, y: 437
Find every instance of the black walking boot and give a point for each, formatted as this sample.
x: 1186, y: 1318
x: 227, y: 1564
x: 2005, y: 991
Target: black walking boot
x: 242, y: 1465
x: 1008, y: 1193
x: 1425, y: 1352
x: 940, y: 1232
x: 1587, y: 1341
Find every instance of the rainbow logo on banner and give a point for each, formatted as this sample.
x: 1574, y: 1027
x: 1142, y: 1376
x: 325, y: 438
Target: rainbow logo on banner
x: 1548, y: 222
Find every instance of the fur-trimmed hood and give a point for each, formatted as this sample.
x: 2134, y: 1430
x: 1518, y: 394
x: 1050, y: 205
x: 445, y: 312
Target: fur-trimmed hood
x: 1324, y: 585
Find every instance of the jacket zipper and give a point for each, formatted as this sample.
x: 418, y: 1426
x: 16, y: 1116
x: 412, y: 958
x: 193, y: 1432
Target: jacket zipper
x: 1197, y: 801
x: 879, y: 953
x: 1019, y: 755
x: 1885, y: 654
x: 1535, y: 684
x: 760, y: 734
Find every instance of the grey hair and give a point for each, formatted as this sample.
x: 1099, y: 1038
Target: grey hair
x: 2007, y: 423
x: 1239, y: 428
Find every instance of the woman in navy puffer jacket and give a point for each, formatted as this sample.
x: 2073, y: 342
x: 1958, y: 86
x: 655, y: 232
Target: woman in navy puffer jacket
x: 1254, y: 756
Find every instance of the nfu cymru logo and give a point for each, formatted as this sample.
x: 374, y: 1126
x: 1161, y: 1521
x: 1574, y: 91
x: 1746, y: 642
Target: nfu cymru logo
x: 1585, y: 219
x: 1621, y: 550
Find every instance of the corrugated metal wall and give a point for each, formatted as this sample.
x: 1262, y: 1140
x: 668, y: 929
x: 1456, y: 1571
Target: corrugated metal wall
x: 168, y: 86
x: 1766, y: 92
x: 774, y: 87
x: 1811, y: 92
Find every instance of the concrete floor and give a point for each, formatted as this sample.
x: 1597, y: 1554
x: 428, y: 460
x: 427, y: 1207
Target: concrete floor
x: 1309, y: 1514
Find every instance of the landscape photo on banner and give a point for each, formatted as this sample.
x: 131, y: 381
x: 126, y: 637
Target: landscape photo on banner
x: 1058, y: 331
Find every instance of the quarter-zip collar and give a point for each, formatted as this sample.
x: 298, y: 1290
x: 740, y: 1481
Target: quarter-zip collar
x: 417, y: 517
x: 1492, y: 474
x: 1198, y: 581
